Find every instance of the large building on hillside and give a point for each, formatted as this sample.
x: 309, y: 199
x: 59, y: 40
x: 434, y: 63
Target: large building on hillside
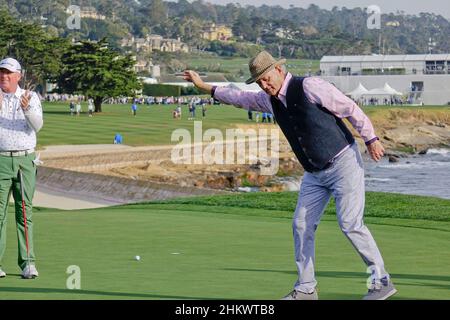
x: 421, y: 78
x: 154, y: 42
x: 217, y: 32
x: 88, y: 12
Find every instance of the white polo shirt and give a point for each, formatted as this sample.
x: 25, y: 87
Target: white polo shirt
x: 18, y: 128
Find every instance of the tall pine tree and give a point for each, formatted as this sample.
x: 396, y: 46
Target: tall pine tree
x: 94, y: 70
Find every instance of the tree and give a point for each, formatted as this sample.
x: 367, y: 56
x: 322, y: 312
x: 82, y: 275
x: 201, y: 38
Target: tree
x: 94, y: 70
x: 156, y: 12
x: 242, y: 25
x: 38, y: 53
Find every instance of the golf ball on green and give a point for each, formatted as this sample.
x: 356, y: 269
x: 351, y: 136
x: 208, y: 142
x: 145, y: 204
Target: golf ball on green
x: 137, y: 258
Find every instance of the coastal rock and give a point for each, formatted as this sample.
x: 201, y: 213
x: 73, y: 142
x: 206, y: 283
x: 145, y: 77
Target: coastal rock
x: 422, y: 152
x: 199, y: 184
x: 393, y: 159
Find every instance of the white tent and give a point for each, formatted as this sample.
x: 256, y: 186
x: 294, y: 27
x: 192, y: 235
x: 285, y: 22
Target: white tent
x: 377, y: 92
x: 358, y: 92
x: 391, y: 90
x: 386, y: 95
x: 387, y: 90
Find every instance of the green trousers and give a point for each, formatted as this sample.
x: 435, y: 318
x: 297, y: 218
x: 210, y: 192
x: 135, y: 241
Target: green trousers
x: 10, y: 183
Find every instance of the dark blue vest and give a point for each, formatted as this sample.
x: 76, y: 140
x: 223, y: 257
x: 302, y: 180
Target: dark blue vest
x: 316, y: 135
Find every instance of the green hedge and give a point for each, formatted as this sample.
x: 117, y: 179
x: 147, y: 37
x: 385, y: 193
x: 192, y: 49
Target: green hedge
x: 161, y: 90
x: 190, y: 91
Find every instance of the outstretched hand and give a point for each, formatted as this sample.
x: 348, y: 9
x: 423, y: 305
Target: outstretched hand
x: 376, y: 150
x: 194, y: 77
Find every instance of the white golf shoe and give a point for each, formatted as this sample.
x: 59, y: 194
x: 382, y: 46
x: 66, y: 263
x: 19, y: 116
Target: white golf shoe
x: 298, y: 295
x: 380, y: 290
x: 2, y: 273
x: 30, y: 272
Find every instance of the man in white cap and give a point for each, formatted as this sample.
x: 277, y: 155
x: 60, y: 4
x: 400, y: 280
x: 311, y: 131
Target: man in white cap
x: 20, y: 120
x: 309, y: 111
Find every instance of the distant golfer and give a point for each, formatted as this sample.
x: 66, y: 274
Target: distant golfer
x: 20, y: 120
x: 134, y: 108
x: 90, y: 107
x: 309, y: 111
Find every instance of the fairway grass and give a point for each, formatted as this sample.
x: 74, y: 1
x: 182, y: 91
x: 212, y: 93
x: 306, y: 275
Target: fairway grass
x: 217, y: 248
x: 153, y: 124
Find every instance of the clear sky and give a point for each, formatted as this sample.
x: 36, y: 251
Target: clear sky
x: 441, y: 7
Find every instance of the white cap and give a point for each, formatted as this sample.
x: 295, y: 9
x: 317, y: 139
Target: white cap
x: 11, y: 64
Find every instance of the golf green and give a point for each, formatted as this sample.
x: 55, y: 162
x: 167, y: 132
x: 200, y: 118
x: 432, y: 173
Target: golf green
x: 205, y: 251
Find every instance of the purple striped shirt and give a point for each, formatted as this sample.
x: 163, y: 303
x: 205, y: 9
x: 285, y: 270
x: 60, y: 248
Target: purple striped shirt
x: 317, y: 91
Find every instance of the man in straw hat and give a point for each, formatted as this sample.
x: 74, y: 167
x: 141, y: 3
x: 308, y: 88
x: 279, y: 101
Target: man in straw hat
x: 309, y: 111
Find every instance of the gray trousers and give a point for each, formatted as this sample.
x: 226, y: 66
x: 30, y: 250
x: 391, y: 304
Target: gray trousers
x: 345, y: 181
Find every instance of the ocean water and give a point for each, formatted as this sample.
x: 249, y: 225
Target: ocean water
x: 427, y: 174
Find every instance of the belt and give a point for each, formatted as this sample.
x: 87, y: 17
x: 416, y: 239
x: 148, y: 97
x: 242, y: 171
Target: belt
x: 16, y: 153
x: 331, y: 162
x: 327, y: 165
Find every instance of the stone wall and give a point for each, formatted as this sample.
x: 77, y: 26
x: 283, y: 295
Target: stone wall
x: 114, y: 189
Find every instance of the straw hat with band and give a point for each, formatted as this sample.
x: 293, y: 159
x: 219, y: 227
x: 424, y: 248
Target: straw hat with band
x: 262, y: 63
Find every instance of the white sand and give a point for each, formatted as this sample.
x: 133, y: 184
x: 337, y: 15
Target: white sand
x: 48, y: 199
x: 44, y: 197
x: 63, y: 150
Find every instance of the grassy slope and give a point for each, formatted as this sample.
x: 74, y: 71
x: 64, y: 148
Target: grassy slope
x: 236, y: 247
x: 380, y: 205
